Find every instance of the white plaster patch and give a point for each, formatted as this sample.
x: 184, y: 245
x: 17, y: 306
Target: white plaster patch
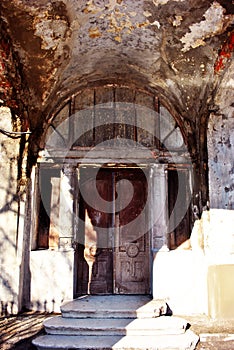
x: 215, y: 22
x: 51, y: 32
x: 229, y: 84
x: 180, y: 278
x: 219, y: 237
x: 5, y: 118
x: 177, y: 21
x: 50, y: 285
x: 119, y: 22
x: 147, y: 13
x: 229, y: 337
x: 163, y: 2
x: 155, y: 23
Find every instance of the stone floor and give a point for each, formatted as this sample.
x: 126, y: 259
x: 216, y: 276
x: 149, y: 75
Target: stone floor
x: 17, y: 332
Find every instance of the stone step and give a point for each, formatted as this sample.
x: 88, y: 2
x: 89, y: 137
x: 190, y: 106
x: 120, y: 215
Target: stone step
x: 114, y: 306
x: 185, y: 341
x: 116, y: 326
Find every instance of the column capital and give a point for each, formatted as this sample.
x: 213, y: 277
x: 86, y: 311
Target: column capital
x: 68, y: 169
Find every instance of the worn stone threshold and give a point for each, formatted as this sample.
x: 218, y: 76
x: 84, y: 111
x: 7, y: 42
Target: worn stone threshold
x: 109, y: 306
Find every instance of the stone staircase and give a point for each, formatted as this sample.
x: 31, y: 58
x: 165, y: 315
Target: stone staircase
x: 116, y: 322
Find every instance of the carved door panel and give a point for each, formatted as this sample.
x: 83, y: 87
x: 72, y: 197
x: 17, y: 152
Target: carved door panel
x: 113, y: 253
x: 95, y: 260
x: 131, y: 255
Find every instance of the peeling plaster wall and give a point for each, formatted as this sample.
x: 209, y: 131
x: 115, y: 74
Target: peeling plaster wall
x: 168, y: 45
x: 221, y: 145
x: 219, y: 227
x: 212, y: 25
x: 221, y: 164
x: 39, y: 35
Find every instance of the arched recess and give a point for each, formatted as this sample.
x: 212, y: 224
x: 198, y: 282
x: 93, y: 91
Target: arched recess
x: 98, y: 138
x: 153, y: 125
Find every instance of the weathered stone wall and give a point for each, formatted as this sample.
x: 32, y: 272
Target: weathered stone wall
x: 221, y: 144
x: 219, y: 227
x: 204, y: 285
x: 13, y: 172
x: 221, y: 171
x: 9, y: 216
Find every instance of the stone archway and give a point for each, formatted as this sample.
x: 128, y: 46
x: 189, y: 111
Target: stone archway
x: 124, y: 131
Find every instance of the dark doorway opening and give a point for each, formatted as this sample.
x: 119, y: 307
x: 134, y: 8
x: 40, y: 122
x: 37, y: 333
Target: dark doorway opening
x: 179, y: 207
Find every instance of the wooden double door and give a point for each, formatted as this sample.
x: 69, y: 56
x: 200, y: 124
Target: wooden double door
x: 113, y: 241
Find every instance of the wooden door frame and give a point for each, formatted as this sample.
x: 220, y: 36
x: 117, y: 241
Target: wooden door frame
x: 117, y: 168
x: 158, y: 212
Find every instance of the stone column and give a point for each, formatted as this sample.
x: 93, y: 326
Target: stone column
x: 159, y: 208
x: 77, y: 238
x: 66, y: 209
x: 159, y: 222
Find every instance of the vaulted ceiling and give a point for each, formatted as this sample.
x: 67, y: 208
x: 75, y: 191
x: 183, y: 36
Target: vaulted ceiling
x: 50, y: 49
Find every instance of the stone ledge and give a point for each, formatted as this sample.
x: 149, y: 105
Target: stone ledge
x: 145, y: 327
x: 186, y: 341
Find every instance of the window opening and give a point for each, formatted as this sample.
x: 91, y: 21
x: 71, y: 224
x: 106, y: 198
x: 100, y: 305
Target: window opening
x: 179, y: 207
x: 48, y: 216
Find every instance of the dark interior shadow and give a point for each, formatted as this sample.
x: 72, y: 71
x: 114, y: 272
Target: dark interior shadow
x: 169, y: 311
